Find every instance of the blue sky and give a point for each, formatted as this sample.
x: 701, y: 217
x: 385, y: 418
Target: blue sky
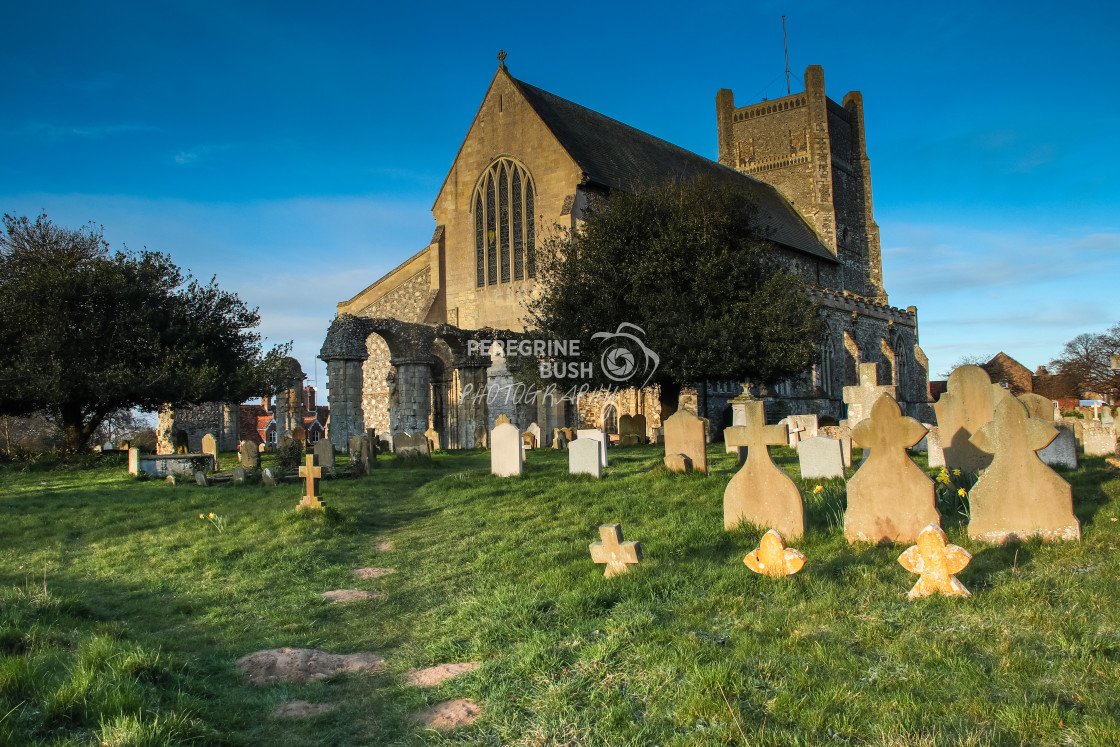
x: 294, y: 151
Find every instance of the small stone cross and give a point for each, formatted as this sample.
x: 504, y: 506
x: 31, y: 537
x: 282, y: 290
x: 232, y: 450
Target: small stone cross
x: 502, y: 58
x: 756, y: 433
x: 860, y: 398
x: 773, y: 558
x: 311, y: 472
x: 1096, y: 411
x: 936, y: 562
x: 795, y: 432
x: 618, y: 555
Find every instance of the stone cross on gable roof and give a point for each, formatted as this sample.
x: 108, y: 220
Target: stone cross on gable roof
x: 618, y: 555
x: 861, y: 398
x: 311, y: 472
x: 502, y: 59
x: 760, y: 492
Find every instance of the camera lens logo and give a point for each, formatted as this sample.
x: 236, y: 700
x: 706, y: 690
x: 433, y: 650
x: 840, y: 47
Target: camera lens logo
x: 626, y: 355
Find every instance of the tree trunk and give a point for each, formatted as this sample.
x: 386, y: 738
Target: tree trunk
x: 75, y: 430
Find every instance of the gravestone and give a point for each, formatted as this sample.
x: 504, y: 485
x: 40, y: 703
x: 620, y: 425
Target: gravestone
x: 268, y: 477
x: 843, y: 434
x: 261, y: 448
x: 324, y: 455
x: 411, y: 445
x: 793, y: 429
x: 860, y: 399
x: 889, y: 498
x: 684, y: 434
x: 559, y: 439
x: 201, y: 479
x: 1038, y: 406
x: 134, y: 461
x: 481, y: 437
x: 505, y: 450
x: 570, y: 434
x: 210, y: 449
x: 502, y: 419
x: 1062, y: 451
x: 433, y: 439
x: 935, y: 454
x: 311, y: 473
x: 1107, y: 417
x: 967, y: 405
x: 239, y: 475
x: 599, y: 436
x: 629, y: 440
x: 1099, y: 439
x: 760, y: 492
x: 584, y: 458
x: 638, y: 426
x: 250, y: 455
x: 360, y: 456
x: 936, y: 562
x: 535, y: 430
x: 299, y: 434
x: 677, y: 462
x: 1018, y: 496
x: 618, y: 555
x: 821, y: 458
x: 527, y: 441
x: 625, y: 426
x: 773, y: 558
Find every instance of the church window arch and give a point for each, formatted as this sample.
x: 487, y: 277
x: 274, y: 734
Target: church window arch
x: 824, y: 370
x: 505, y: 241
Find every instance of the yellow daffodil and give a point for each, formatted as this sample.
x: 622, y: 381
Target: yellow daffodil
x: 817, y: 490
x: 211, y: 516
x: 957, y: 472
x: 961, y: 493
x: 201, y: 516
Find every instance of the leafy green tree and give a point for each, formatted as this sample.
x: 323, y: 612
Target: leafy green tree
x: 85, y: 332
x: 687, y: 264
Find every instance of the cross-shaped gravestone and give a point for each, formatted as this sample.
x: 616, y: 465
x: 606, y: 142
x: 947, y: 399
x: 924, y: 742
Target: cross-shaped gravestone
x: 795, y: 431
x: 618, y: 555
x: 311, y: 472
x: 889, y: 498
x: 1096, y: 411
x: 861, y: 398
x: 936, y: 562
x: 967, y: 404
x: 773, y: 558
x: 760, y: 492
x: 1018, y: 496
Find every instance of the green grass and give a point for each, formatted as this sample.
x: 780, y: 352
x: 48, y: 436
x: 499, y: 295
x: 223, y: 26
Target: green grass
x: 131, y: 638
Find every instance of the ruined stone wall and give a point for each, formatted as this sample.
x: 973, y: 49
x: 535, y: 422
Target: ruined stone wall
x: 216, y: 418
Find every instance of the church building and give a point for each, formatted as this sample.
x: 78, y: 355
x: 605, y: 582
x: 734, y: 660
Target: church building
x: 530, y: 160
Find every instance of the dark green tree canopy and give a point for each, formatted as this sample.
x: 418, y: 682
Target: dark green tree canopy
x: 85, y: 331
x: 687, y: 263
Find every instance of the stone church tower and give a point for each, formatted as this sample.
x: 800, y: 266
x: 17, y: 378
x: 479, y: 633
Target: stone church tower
x: 814, y: 151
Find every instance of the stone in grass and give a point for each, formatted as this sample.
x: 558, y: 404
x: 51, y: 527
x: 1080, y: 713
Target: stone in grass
x: 300, y: 709
x: 384, y: 546
x: 936, y: 562
x: 300, y: 665
x: 268, y: 477
x: 433, y: 676
x: 448, y: 715
x: 200, y: 478
x: 773, y: 558
x: 368, y: 573
x: 618, y: 555
x: 345, y: 596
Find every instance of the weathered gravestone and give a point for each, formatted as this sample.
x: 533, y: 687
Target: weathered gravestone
x: 250, y: 455
x: 134, y: 461
x: 433, y: 439
x: 1099, y: 439
x: 760, y: 492
x: 505, y: 450
x: 299, y: 433
x: 677, y: 463
x: 502, y: 419
x: 481, y: 436
x: 535, y: 430
x: 684, y: 434
x: 599, y: 436
x: 1062, y: 451
x: 890, y: 498
x: 324, y: 455
x: 559, y: 439
x: 936, y: 562
x: 570, y: 434
x: 773, y: 558
x: 584, y: 458
x: 793, y: 430
x: 1038, y: 406
x: 210, y: 449
x: 268, y: 477
x: 311, y: 472
x: 625, y: 426
x: 1107, y: 416
x: 527, y: 441
x: 411, y: 445
x: 638, y: 425
x: 618, y: 555
x: 240, y: 474
x: 360, y: 454
x: 843, y: 434
x: 201, y: 479
x: 629, y: 440
x: 860, y: 399
x: 820, y: 458
x: 967, y: 405
x: 1018, y: 496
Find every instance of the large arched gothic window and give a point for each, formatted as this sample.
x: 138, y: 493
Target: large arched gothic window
x: 505, y: 247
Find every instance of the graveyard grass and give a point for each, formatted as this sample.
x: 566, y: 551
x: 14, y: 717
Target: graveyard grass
x: 122, y: 614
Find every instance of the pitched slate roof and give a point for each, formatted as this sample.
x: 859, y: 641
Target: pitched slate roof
x: 619, y: 156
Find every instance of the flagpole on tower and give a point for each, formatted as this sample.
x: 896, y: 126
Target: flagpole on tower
x: 785, y: 43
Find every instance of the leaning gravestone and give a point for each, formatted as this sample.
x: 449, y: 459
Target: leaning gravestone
x: 1062, y: 451
x: 820, y: 458
x: 599, y: 436
x: 967, y: 405
x: 1018, y: 496
x: 433, y: 439
x: 761, y: 493
x: 684, y: 434
x: 250, y: 455
x: 889, y: 498
x: 860, y: 399
x: 505, y: 450
x: 210, y: 449
x: 324, y: 454
x: 1099, y: 439
x: 535, y: 430
x: 584, y: 459
x: 559, y: 439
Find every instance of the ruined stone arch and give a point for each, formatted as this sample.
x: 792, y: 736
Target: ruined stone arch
x: 502, y: 210
x: 609, y: 418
